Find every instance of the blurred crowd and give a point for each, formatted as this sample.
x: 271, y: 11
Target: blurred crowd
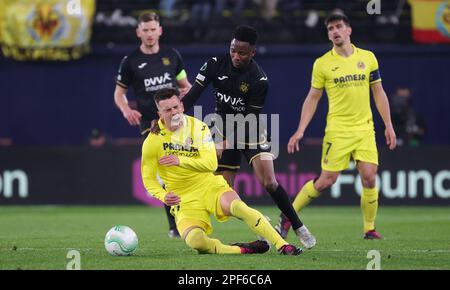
x: 283, y: 21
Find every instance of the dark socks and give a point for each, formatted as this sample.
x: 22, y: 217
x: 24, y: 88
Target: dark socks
x: 170, y: 218
x: 281, y: 198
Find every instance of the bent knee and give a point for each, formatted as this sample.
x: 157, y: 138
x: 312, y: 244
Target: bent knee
x: 196, y: 239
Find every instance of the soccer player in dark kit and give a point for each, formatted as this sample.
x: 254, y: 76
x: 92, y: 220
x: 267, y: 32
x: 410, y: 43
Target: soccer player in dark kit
x: 240, y: 87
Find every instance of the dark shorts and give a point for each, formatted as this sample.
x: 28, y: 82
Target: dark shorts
x: 231, y: 158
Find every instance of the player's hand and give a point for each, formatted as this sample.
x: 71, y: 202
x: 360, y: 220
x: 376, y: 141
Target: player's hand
x: 293, y: 142
x: 154, y: 127
x: 184, y: 91
x: 220, y: 147
x: 169, y: 160
x: 171, y: 199
x: 391, y: 139
x: 133, y: 117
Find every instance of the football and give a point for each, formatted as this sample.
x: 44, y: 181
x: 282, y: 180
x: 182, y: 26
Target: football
x: 121, y: 241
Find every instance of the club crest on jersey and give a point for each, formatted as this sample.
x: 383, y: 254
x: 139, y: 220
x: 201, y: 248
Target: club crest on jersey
x: 361, y: 65
x: 166, y: 61
x: 243, y: 87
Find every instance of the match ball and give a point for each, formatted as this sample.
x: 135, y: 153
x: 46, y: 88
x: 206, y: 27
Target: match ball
x: 121, y: 241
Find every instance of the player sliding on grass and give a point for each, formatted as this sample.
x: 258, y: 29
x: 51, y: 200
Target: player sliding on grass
x: 184, y: 155
x: 347, y: 73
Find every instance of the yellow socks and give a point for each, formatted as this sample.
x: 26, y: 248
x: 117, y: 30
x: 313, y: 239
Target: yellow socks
x: 198, y: 240
x: 369, y: 206
x: 257, y: 222
x: 305, y: 196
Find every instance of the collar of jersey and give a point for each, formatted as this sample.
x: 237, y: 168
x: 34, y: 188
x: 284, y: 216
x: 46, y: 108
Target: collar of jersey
x: 355, y: 51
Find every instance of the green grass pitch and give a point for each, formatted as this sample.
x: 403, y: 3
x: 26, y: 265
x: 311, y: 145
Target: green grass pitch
x: 40, y: 238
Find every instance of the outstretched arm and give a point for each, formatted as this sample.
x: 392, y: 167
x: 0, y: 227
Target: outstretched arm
x: 308, y: 111
x: 382, y: 103
x: 192, y: 96
x: 202, y: 80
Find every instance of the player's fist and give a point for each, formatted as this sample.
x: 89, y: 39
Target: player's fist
x: 184, y: 91
x: 293, y: 142
x: 171, y: 199
x: 169, y: 160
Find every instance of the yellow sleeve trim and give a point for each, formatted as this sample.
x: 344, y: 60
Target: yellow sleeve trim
x: 181, y: 75
x: 375, y: 81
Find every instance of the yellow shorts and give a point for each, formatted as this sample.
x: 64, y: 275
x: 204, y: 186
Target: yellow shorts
x: 197, y: 213
x: 338, y: 147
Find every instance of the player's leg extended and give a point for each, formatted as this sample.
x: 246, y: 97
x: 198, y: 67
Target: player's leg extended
x: 264, y: 170
x: 311, y: 190
x: 196, y: 238
x: 335, y: 157
x: 232, y: 205
x: 369, y: 197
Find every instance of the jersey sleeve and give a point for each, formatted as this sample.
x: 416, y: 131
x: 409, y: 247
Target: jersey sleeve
x: 179, y: 69
x: 206, y: 161
x: 375, y: 75
x: 149, y: 164
x: 125, y: 75
x: 207, y: 72
x: 202, y: 80
x: 318, y: 77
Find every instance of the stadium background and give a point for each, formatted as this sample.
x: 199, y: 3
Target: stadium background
x: 54, y: 94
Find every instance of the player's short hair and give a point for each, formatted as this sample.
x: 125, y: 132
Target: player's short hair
x: 165, y: 94
x: 246, y: 33
x: 337, y: 17
x: 148, y: 16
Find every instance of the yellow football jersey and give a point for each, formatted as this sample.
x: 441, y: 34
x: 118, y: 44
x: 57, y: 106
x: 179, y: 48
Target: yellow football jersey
x: 347, y: 83
x: 196, y: 151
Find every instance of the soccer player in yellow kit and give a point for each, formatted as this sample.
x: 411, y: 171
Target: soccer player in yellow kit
x: 184, y: 155
x: 347, y: 73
